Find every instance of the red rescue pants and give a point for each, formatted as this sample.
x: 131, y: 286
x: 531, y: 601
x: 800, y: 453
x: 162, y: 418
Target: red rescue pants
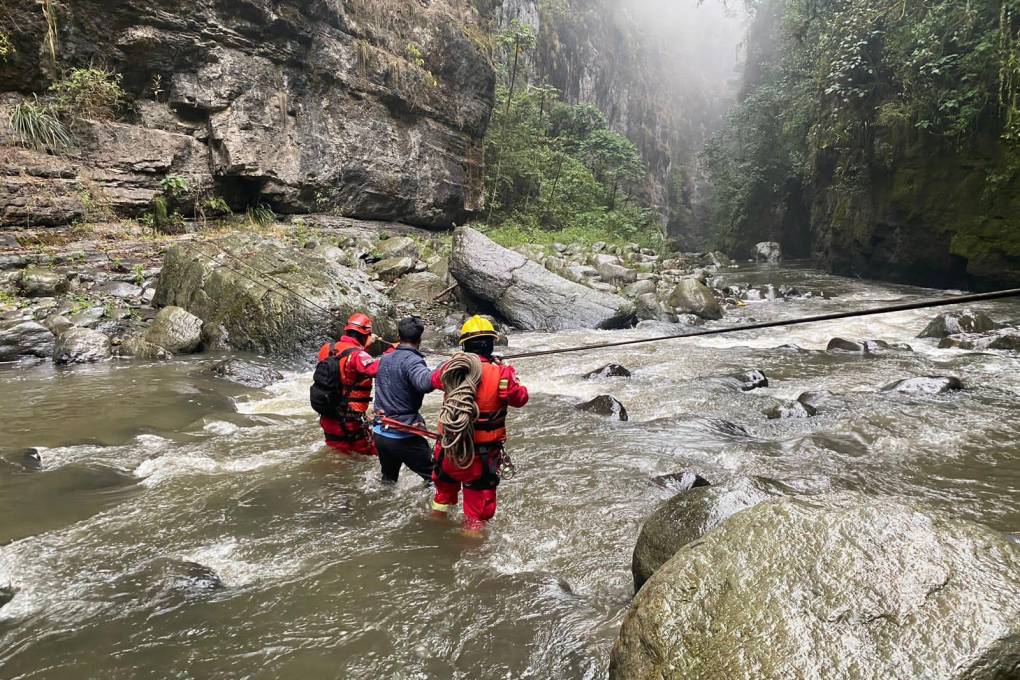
x: 347, y: 436
x: 479, y: 481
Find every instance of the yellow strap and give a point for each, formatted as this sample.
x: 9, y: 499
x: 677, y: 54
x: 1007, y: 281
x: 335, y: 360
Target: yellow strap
x: 440, y: 507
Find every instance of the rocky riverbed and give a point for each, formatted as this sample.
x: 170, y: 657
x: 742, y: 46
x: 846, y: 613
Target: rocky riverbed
x: 179, y: 511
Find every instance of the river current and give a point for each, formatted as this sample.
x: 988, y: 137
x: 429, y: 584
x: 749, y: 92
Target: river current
x: 182, y: 527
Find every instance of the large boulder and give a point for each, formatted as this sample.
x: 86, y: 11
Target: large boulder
x: 836, y: 585
x: 418, y: 287
x: 398, y: 246
x: 24, y: 338
x: 269, y: 296
x: 527, y: 294
x: 393, y: 268
x: 692, y: 514
x: 954, y: 323
x: 82, y: 346
x: 690, y: 296
x: 605, y: 405
x: 768, y: 251
x: 176, y: 330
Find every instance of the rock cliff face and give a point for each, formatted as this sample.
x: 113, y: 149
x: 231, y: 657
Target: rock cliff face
x: 368, y: 108
x: 660, y: 70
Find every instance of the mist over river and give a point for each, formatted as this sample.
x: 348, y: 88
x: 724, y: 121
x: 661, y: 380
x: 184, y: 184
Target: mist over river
x: 180, y: 526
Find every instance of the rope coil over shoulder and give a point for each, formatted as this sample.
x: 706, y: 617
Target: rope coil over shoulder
x: 461, y: 377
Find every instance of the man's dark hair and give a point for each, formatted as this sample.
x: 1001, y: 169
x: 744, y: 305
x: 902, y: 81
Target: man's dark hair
x: 410, y: 329
x: 483, y: 346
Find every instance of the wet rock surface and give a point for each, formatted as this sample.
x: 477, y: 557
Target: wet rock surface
x: 82, y: 346
x: 608, y: 371
x: 768, y: 251
x: 246, y: 373
x: 783, y: 410
x: 693, y: 297
x: 928, y: 385
x: 24, y: 338
x: 681, y: 481
x: 528, y: 295
x: 175, y: 330
x: 1004, y: 339
x: 605, y: 405
x: 692, y: 514
x: 861, y: 587
x: 955, y: 323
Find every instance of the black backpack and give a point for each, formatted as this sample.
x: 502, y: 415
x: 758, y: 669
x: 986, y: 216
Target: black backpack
x: 327, y: 395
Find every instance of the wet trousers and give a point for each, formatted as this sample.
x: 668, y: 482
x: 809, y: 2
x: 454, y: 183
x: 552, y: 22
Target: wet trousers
x: 347, y: 436
x: 479, y: 481
x: 414, y: 452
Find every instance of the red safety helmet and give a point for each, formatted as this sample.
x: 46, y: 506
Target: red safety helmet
x: 359, y: 323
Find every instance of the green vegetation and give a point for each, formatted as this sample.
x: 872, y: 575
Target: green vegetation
x: 260, y: 215
x: 6, y: 47
x: 89, y: 93
x: 35, y: 125
x: 555, y: 171
x: 854, y: 87
x: 174, y: 186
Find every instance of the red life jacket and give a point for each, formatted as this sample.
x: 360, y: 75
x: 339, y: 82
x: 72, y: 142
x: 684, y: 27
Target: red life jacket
x: 490, y: 427
x: 356, y: 391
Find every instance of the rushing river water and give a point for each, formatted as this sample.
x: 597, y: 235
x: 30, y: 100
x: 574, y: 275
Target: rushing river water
x: 149, y: 471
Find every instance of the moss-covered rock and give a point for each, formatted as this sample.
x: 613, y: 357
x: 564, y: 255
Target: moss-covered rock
x: 269, y: 296
x: 836, y: 585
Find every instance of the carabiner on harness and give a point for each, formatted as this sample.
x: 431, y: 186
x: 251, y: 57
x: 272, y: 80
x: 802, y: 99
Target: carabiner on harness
x: 506, y: 468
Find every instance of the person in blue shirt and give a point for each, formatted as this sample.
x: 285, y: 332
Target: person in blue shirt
x: 401, y: 384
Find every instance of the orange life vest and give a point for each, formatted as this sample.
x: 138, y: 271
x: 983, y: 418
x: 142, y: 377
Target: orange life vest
x: 490, y: 428
x: 356, y: 391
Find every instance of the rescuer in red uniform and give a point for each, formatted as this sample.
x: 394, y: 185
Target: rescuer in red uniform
x: 348, y: 432
x: 499, y: 389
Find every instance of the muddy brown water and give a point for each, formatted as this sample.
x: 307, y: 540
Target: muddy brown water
x: 182, y: 527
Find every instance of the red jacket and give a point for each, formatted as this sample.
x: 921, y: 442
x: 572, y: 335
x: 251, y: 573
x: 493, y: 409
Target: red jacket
x: 363, y: 363
x: 517, y: 394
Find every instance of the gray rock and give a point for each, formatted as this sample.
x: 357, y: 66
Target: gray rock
x: 650, y: 308
x: 119, y: 289
x: 929, y: 385
x: 835, y: 585
x: 782, y: 410
x: 1005, y: 339
x: 393, y: 268
x: 57, y: 323
x: 844, y: 345
x: 955, y: 323
x: 24, y: 338
x: 82, y: 346
x: 246, y: 373
x: 819, y: 399
x: 261, y: 316
x: 768, y: 251
x: 398, y: 247
x: 6, y: 595
x: 87, y: 318
x: 690, y: 515
x: 528, y: 295
x: 604, y: 405
x: 419, y: 287
x: 642, y: 287
x: 608, y: 371
x: 42, y: 283
x: 140, y: 348
x: 719, y: 259
x: 176, y: 330
x: 617, y: 273
x: 751, y: 380
x: 693, y: 297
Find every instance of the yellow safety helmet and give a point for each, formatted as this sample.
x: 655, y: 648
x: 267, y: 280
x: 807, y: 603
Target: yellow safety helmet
x: 477, y: 327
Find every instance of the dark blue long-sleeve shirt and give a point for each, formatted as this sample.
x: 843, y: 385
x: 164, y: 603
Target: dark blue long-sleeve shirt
x: 401, y: 384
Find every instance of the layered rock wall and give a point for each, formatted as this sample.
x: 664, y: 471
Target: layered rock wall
x: 367, y: 108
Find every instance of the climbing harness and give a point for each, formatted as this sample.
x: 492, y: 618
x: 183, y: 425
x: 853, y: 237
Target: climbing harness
x: 923, y: 304
x: 461, y: 378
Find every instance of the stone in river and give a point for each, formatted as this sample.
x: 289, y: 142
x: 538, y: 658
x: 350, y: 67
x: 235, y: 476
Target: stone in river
x: 681, y: 481
x: 954, y: 323
x: 81, y: 346
x: 925, y: 385
x: 604, y: 405
x: 789, y: 409
x: 608, y: 371
x: 246, y: 373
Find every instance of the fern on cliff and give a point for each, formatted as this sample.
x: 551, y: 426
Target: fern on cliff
x: 36, y: 126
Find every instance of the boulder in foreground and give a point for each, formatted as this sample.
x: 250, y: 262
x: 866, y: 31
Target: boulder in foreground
x: 527, y: 294
x: 835, y: 586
